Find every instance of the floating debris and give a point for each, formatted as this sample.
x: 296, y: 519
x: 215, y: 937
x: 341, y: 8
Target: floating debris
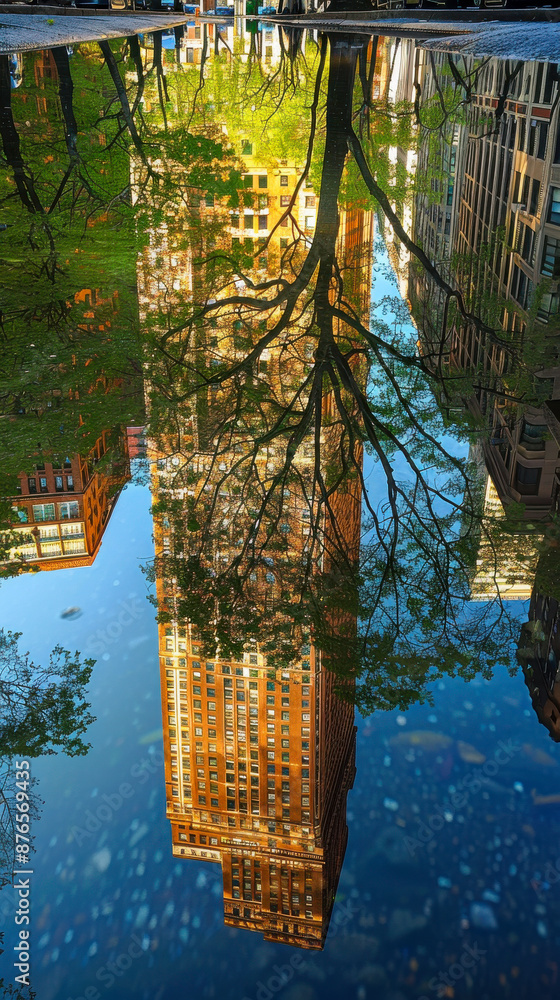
x: 538, y: 756
x: 545, y: 800
x: 482, y: 916
x: 469, y: 753
x: 423, y: 738
x: 70, y: 614
x: 391, y: 804
x: 101, y: 859
x: 152, y: 737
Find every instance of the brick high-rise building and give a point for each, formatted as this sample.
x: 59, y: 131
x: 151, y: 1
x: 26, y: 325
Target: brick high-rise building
x: 63, y: 506
x: 259, y: 757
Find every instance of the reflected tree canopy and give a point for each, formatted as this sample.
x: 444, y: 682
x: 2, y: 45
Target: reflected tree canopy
x: 309, y: 437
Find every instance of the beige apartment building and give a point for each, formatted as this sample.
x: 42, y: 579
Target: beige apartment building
x: 489, y: 223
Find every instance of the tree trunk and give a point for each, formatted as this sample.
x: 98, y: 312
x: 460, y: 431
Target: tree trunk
x: 65, y: 93
x: 10, y: 142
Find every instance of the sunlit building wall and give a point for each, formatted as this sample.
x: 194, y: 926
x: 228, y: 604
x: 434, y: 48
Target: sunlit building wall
x: 259, y: 760
x: 506, y: 562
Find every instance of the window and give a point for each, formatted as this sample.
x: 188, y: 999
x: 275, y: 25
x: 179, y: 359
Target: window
x: 248, y: 221
x: 534, y: 200
x: 263, y: 181
x: 284, y: 200
x: 43, y: 484
x: 550, y: 265
x: 284, y: 180
x: 248, y: 181
x: 554, y: 210
x: 263, y: 223
x: 527, y: 244
x: 32, y: 485
x: 527, y: 480
x: 43, y: 512
x: 247, y: 149
x: 548, y: 306
x: 543, y: 139
x: 310, y: 201
x: 532, y: 436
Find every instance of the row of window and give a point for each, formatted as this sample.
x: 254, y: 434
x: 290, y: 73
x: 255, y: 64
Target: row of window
x: 62, y: 484
x: 48, y: 512
x: 260, y: 180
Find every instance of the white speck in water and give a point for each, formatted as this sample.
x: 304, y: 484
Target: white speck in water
x: 102, y: 859
x: 391, y: 804
x: 142, y: 915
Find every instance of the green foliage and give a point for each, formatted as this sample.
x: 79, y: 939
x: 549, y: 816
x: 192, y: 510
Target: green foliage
x: 43, y: 708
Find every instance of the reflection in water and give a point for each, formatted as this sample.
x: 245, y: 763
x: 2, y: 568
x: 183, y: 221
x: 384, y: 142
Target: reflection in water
x: 204, y: 242
x: 68, y: 502
x: 259, y: 756
x: 491, y: 214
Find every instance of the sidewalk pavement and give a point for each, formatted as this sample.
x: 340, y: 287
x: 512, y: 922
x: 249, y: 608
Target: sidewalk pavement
x: 25, y: 32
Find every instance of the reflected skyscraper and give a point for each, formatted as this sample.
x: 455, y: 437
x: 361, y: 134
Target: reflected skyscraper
x: 258, y: 758
x: 259, y: 746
